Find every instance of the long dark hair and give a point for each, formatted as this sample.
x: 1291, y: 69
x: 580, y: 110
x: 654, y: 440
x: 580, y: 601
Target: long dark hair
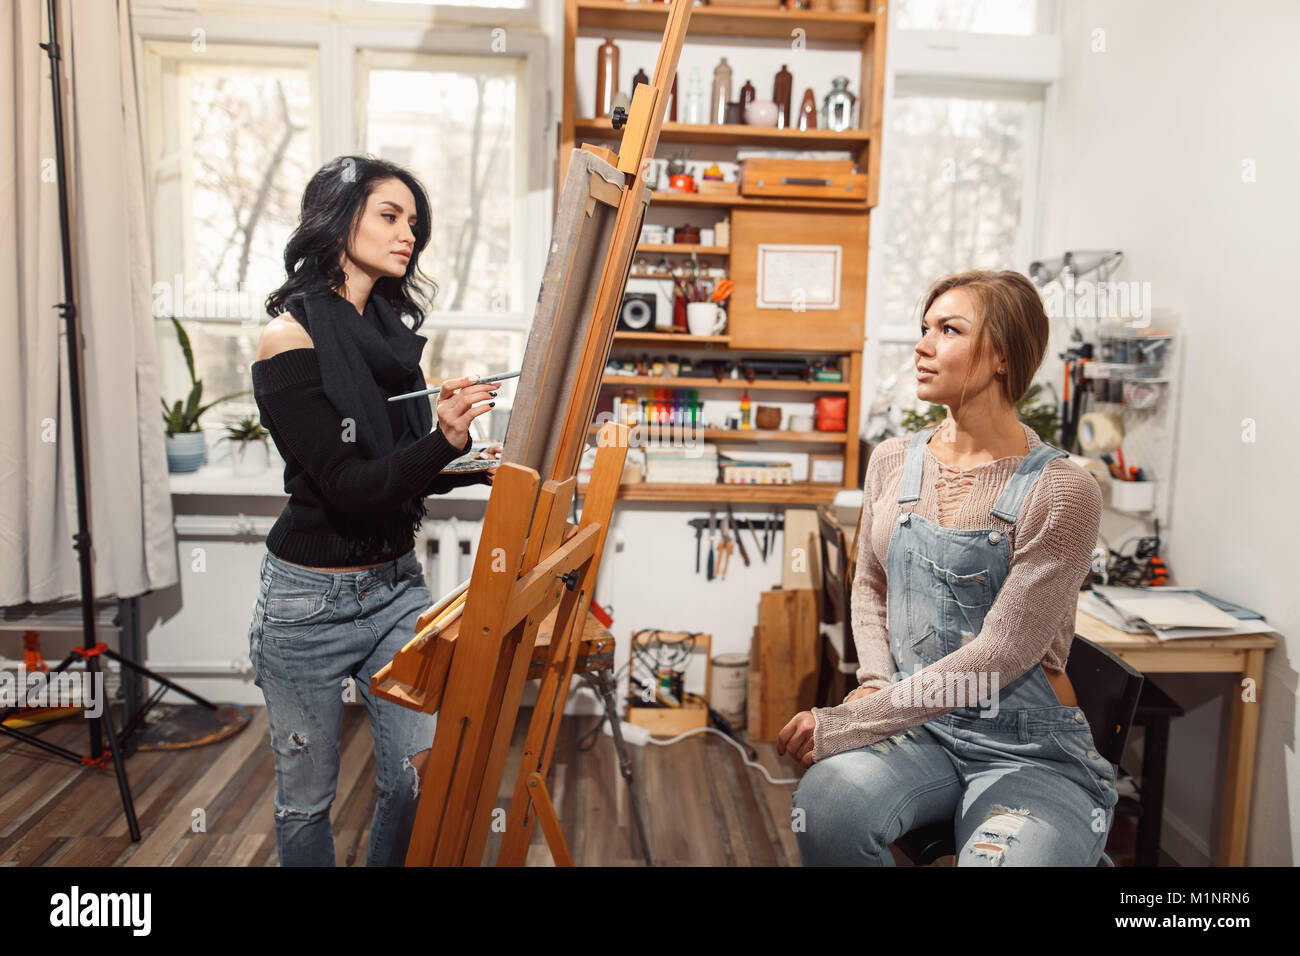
x: 332, y: 204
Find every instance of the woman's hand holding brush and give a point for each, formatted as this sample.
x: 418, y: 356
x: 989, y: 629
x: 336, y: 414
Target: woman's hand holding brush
x: 460, y: 401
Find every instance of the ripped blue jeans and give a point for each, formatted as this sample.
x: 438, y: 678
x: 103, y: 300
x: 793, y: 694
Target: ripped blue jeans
x: 316, y: 639
x: 1024, y: 788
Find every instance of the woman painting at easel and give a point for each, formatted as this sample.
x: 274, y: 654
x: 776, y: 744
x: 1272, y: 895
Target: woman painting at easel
x: 342, y: 587
x: 974, y: 541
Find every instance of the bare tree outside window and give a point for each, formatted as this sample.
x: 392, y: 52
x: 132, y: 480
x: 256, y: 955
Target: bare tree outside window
x: 453, y: 122
x: 250, y: 166
x: 456, y: 131
x: 955, y: 170
x: 227, y: 181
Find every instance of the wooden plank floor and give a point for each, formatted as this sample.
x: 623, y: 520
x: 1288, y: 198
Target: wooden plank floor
x: 212, y: 805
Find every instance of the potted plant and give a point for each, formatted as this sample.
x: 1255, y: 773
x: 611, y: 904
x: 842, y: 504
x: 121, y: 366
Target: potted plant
x: 186, y: 445
x: 250, y: 454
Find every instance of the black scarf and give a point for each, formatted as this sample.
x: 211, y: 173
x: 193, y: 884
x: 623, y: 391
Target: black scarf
x: 363, y: 360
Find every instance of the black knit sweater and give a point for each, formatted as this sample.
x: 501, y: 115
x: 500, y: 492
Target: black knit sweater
x: 333, y: 490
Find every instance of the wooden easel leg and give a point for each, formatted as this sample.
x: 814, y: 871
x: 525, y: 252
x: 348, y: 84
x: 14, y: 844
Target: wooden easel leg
x: 565, y: 640
x: 544, y: 726
x: 549, y: 821
x: 474, y: 695
x: 548, y: 530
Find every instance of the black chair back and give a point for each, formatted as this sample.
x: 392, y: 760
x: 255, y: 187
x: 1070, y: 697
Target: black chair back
x: 1107, y: 689
x: 835, y: 585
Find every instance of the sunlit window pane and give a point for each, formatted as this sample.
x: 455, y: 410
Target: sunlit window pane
x: 955, y: 171
x: 454, y: 124
x: 895, y: 391
x: 1016, y: 17
x: 230, y: 157
x: 223, y: 351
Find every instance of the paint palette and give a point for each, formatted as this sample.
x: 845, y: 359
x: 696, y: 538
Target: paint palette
x: 471, y: 464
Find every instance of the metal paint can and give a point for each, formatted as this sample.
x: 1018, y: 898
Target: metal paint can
x: 730, y: 685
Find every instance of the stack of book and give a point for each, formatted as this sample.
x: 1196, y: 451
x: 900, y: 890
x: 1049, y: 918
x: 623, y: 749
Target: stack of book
x: 682, y: 466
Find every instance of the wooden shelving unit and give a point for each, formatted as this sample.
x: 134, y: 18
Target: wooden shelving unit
x: 866, y: 32
x: 723, y: 201
x: 733, y: 135
x: 760, y: 384
x: 670, y: 338
x: 757, y: 434
x: 686, y: 247
x: 800, y: 493
x: 618, y: 15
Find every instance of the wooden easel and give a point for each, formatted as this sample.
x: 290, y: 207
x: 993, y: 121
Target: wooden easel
x: 470, y: 655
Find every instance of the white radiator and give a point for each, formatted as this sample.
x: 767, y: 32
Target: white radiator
x: 448, y: 533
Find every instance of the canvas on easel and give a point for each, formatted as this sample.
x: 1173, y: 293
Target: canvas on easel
x: 581, y: 241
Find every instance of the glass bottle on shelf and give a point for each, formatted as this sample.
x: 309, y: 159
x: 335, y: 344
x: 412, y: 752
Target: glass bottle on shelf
x: 721, y: 92
x: 606, y: 77
x: 747, y: 94
x: 781, y: 87
x: 838, y: 108
x: 695, y: 110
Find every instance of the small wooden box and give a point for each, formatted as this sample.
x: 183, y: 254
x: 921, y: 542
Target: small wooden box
x: 718, y: 187
x: 802, y: 179
x: 694, y: 712
x: 670, y: 721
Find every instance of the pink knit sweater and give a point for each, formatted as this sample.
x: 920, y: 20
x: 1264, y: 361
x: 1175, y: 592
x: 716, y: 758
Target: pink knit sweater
x: 1031, y: 620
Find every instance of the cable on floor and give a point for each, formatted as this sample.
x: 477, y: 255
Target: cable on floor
x: 713, y: 730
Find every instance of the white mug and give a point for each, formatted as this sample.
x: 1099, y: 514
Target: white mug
x: 705, y: 318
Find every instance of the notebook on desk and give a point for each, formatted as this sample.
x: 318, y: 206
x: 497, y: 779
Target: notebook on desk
x: 1169, y: 612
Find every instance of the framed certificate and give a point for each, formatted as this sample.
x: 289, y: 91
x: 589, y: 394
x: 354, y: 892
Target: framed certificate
x: 799, y: 277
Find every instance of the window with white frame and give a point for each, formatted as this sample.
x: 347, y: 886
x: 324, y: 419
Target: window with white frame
x: 231, y: 144
x: 960, y: 170
x: 454, y: 122
x: 235, y: 131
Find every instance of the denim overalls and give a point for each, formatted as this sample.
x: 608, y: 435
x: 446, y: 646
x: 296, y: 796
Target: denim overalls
x: 1023, y: 786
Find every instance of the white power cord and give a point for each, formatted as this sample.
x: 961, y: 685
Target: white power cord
x: 743, y: 756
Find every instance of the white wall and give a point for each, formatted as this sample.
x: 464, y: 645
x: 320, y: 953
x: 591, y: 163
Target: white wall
x: 1155, y: 141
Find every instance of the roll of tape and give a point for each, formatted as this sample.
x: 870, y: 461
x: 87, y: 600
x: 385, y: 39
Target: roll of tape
x: 1100, y: 432
x: 1095, y: 467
